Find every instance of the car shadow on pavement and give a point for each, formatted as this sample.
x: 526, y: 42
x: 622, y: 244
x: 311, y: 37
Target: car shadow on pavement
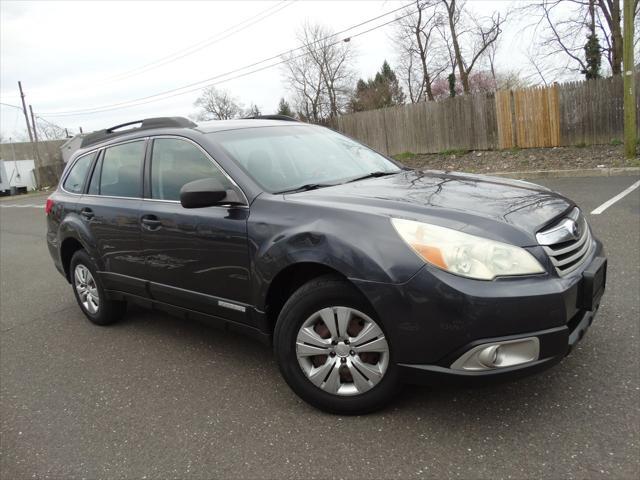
x: 504, y: 402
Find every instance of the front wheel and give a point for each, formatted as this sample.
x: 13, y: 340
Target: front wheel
x: 332, y: 351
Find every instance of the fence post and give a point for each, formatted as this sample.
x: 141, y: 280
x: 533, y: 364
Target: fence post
x: 386, y: 133
x: 512, y: 107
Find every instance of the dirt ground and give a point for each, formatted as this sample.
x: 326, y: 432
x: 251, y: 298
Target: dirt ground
x: 557, y: 158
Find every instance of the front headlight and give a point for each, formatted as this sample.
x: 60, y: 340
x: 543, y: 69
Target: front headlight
x: 465, y: 254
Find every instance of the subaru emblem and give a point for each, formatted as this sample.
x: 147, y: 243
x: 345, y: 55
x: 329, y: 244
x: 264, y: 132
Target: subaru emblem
x: 573, y: 229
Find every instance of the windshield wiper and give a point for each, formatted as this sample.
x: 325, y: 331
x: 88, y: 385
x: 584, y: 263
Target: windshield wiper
x: 305, y: 188
x: 371, y: 175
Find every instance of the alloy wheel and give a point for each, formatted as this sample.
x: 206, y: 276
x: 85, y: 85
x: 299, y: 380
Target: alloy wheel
x: 87, y: 289
x: 342, y: 351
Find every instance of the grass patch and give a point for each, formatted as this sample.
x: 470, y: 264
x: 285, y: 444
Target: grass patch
x: 405, y: 156
x: 616, y: 141
x: 453, y: 151
x: 580, y: 145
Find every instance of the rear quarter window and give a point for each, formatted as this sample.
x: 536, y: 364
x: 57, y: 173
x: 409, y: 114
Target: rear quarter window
x: 74, y: 182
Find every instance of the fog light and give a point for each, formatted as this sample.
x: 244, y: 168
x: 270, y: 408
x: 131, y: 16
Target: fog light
x: 490, y: 356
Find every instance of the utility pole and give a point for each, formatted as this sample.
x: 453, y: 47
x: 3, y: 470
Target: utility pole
x: 629, y: 82
x: 35, y: 137
x: 33, y: 122
x: 24, y: 110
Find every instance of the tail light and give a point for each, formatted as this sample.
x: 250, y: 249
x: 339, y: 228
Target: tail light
x: 48, y: 206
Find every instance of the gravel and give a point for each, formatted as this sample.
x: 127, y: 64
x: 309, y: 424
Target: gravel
x: 517, y: 160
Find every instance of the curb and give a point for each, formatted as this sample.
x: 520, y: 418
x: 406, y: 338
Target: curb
x: 587, y: 172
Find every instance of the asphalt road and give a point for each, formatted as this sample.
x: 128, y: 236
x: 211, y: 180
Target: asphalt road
x: 155, y: 397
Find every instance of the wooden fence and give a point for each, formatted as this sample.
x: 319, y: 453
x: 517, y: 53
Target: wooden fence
x: 587, y: 112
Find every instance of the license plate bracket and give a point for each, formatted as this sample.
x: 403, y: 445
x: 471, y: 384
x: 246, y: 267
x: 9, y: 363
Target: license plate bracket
x: 592, y: 285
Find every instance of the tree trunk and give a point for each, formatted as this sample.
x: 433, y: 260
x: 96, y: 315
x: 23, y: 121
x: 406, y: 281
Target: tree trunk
x: 426, y: 79
x: 611, y: 12
x: 464, y: 76
x: 616, y: 39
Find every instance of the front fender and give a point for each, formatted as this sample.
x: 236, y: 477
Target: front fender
x: 362, y: 247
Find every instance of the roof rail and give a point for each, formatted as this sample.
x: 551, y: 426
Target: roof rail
x: 271, y: 117
x: 148, y: 123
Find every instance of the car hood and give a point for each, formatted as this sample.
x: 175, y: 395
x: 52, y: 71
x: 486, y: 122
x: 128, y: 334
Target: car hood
x: 460, y: 200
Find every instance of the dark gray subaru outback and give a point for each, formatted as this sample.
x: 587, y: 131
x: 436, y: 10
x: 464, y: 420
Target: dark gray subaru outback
x: 361, y: 272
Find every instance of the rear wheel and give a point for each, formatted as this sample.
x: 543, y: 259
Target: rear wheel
x: 332, y: 351
x: 90, y: 294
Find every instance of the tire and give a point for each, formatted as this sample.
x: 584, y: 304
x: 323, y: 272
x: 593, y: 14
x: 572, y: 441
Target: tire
x: 93, y: 301
x: 350, y: 379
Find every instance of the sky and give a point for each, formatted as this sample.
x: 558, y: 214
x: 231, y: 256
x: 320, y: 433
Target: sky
x: 79, y: 55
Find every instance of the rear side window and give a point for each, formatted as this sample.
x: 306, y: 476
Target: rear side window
x: 175, y: 162
x: 78, y: 174
x: 121, y: 170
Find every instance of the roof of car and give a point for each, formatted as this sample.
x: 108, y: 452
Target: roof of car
x: 101, y: 136
x: 221, y: 125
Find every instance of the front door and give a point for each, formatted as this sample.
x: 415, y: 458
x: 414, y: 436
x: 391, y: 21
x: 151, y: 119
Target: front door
x: 194, y: 258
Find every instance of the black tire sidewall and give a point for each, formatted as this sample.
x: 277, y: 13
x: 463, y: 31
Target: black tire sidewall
x: 311, y: 297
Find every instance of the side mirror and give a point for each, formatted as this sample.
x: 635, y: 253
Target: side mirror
x: 206, y: 192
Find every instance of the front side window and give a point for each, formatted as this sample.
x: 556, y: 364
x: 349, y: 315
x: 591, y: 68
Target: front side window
x: 175, y: 162
x: 78, y: 174
x: 121, y: 170
x: 284, y: 158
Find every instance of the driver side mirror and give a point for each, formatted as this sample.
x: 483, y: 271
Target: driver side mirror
x: 207, y: 192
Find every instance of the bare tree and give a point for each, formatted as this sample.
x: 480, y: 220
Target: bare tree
x: 49, y: 131
x: 217, y: 104
x: 470, y: 37
x: 562, y: 27
x: 305, y: 80
x: 321, y: 73
x: 541, y: 72
x: 253, y: 111
x: 421, y: 57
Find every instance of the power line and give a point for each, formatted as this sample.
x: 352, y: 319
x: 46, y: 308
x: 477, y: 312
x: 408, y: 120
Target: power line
x: 37, y: 116
x: 202, y: 44
x: 189, y: 50
x: 9, y: 105
x: 204, y: 83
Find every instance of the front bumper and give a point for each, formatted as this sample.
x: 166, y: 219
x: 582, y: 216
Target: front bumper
x: 436, y: 317
x: 555, y: 344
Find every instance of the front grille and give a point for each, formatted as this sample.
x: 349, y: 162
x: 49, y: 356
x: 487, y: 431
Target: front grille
x: 566, y: 250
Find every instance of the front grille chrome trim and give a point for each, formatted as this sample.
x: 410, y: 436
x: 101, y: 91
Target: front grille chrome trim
x: 567, y: 253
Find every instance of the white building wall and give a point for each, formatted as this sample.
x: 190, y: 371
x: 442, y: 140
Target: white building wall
x: 17, y: 173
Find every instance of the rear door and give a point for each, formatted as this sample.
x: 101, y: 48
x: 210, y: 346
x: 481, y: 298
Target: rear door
x: 110, y: 210
x: 195, y: 258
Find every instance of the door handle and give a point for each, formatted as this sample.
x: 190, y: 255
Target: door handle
x: 150, y: 222
x: 87, y: 213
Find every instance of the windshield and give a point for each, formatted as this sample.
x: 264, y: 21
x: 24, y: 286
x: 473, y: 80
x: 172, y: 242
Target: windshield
x: 287, y: 158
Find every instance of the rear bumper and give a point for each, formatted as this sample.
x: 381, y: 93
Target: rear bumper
x: 436, y: 317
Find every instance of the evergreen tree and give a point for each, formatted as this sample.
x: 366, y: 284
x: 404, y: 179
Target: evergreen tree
x: 452, y: 84
x: 593, y: 56
x: 284, y: 108
x: 592, y: 50
x: 383, y: 90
